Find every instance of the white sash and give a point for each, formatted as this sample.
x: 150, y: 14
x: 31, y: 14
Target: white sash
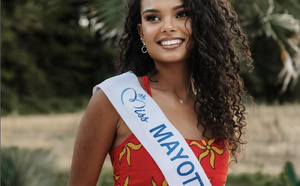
x: 160, y: 138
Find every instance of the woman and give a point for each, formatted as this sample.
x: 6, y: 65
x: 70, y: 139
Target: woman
x: 184, y: 54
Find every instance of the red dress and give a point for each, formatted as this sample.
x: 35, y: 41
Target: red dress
x: 133, y: 166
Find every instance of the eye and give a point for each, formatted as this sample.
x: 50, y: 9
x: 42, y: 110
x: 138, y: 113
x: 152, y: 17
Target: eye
x: 152, y: 18
x: 182, y: 14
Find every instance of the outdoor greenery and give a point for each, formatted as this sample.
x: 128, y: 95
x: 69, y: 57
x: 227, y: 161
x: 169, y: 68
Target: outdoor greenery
x: 54, y: 52
x: 273, y: 29
x: 49, y: 62
x: 23, y: 167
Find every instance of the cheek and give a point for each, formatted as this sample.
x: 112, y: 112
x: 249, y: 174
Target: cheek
x: 149, y: 33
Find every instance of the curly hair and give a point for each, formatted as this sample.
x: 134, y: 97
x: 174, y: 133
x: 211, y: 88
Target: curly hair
x: 219, y: 46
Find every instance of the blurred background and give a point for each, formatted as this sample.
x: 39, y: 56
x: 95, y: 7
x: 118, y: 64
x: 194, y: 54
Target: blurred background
x: 53, y: 52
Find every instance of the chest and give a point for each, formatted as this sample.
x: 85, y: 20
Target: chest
x: 182, y: 115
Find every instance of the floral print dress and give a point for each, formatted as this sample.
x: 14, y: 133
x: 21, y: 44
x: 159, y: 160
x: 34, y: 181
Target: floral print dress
x: 133, y: 166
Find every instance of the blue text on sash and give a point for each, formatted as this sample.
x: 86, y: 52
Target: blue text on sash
x: 185, y: 167
x: 175, y: 150
x: 138, y: 102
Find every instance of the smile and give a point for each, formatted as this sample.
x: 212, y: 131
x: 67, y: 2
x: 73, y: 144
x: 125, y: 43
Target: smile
x: 171, y: 42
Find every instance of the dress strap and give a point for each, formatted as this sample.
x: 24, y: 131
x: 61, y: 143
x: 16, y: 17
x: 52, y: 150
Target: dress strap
x: 146, y: 85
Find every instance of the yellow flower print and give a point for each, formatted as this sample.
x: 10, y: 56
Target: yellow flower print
x: 126, y: 181
x: 209, y: 150
x: 116, y: 177
x: 164, y: 183
x: 126, y: 149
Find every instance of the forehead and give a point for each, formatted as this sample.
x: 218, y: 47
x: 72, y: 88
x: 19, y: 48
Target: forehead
x: 157, y: 4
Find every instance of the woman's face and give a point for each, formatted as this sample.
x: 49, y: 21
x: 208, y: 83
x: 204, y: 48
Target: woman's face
x: 165, y: 29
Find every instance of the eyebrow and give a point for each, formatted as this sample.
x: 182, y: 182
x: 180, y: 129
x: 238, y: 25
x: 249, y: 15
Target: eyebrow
x: 156, y: 11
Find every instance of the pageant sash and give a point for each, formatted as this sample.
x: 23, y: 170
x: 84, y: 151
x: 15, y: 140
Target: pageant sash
x: 160, y: 138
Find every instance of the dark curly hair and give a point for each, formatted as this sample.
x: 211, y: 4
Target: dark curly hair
x: 219, y: 46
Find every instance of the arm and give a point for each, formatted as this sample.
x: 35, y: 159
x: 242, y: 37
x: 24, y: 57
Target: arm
x: 94, y: 139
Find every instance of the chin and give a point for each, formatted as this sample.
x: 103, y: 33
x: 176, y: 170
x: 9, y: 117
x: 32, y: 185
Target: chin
x: 170, y: 58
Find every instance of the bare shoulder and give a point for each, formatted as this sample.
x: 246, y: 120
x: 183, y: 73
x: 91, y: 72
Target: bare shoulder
x: 94, y: 139
x: 100, y: 118
x: 100, y: 112
x: 100, y: 107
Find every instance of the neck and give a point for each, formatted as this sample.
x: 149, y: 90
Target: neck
x: 174, y: 78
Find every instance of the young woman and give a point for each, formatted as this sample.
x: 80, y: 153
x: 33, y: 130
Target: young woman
x: 185, y: 55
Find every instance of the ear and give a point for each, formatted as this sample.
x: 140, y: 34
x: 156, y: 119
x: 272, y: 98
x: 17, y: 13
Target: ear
x: 140, y: 30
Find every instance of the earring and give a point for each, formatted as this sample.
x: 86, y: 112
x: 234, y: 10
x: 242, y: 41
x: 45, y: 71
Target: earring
x: 143, y: 49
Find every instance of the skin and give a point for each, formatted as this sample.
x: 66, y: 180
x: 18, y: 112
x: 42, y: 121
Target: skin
x: 160, y: 23
x: 101, y: 128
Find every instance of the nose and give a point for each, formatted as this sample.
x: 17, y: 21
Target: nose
x: 168, y: 25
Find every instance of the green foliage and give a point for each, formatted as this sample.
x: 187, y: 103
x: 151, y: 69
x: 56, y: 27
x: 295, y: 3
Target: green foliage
x: 291, y: 174
x: 271, y: 26
x: 51, y: 105
x: 47, y: 57
x: 257, y: 179
x: 50, y: 63
x: 105, y: 178
x: 23, y: 167
x: 104, y: 17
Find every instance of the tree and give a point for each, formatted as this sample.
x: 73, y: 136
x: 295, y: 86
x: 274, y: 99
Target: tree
x: 49, y: 62
x: 278, y: 20
x: 104, y: 18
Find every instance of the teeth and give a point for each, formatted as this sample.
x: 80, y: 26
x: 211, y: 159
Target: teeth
x: 171, y: 42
